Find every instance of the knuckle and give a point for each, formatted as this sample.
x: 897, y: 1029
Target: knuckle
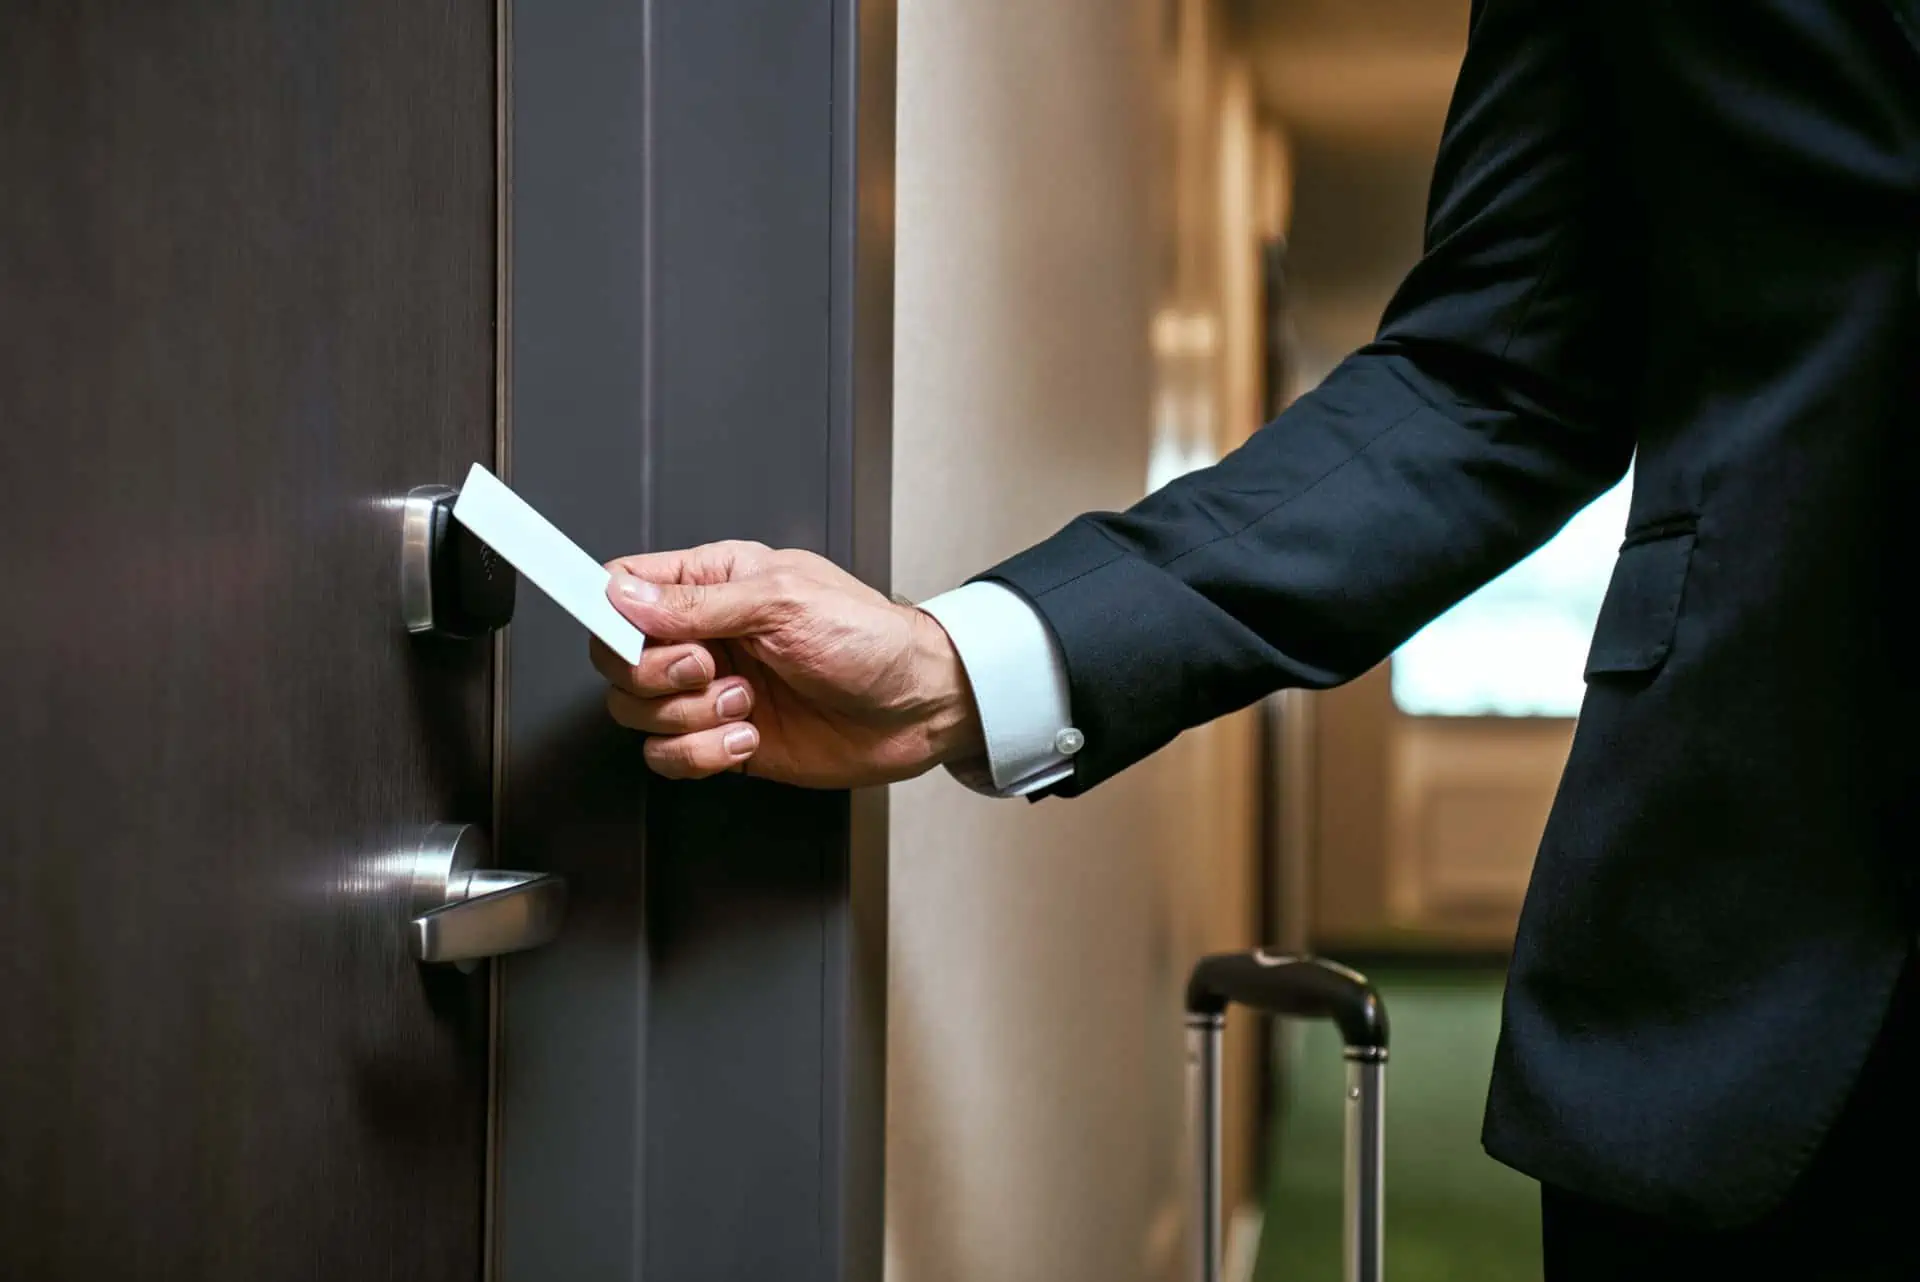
x: 678, y: 603
x: 667, y: 757
x: 786, y: 587
x: 796, y: 562
x: 679, y: 716
x: 619, y: 707
x: 740, y: 557
x: 670, y: 716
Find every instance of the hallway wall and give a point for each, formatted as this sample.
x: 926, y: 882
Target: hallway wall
x: 1038, y: 951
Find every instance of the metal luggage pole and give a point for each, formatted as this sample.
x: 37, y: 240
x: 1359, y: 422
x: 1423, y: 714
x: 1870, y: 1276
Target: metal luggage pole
x: 1300, y: 988
x: 1366, y: 1136
x: 1203, y: 1086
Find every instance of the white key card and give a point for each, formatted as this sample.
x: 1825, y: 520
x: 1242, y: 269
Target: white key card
x: 551, y: 561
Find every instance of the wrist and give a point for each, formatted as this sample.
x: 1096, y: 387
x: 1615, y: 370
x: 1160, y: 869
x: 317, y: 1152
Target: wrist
x: 948, y: 716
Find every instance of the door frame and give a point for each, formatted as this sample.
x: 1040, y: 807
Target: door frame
x: 696, y: 303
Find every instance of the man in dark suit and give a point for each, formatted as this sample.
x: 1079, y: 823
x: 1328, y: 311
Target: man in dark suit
x: 1686, y: 232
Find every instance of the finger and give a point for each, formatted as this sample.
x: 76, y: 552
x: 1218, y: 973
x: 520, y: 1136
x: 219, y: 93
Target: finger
x: 693, y: 612
x: 682, y: 713
x: 708, y: 563
x: 709, y: 752
x: 662, y: 670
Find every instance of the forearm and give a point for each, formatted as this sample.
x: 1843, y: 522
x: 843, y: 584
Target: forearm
x: 1304, y: 558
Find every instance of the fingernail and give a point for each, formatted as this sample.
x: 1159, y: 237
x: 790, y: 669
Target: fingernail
x: 637, y: 590
x: 732, y: 703
x: 740, y: 741
x: 687, y: 673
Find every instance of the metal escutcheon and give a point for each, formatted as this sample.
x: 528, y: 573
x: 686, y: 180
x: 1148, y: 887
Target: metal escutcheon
x: 451, y: 584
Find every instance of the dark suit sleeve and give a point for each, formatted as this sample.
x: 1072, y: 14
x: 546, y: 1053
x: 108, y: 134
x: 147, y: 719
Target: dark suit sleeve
x: 1487, y: 411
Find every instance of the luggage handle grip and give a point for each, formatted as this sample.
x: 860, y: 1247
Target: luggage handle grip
x: 1299, y: 987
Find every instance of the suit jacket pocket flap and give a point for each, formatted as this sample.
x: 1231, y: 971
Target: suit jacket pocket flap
x: 1642, y: 605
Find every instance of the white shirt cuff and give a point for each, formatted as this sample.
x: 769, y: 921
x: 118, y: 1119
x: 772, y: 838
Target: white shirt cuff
x: 1019, y: 684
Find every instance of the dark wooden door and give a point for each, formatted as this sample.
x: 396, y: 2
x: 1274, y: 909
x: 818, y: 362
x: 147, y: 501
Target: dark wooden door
x: 246, y: 301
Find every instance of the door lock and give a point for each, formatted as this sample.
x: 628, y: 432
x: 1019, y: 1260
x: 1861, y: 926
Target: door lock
x: 464, y: 912
x: 451, y: 584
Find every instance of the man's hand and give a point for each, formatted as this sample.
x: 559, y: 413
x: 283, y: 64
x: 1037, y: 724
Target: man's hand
x: 783, y: 665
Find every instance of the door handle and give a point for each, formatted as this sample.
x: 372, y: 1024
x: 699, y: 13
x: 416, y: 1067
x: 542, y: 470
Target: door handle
x: 464, y: 912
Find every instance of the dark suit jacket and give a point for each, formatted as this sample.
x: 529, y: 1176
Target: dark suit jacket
x: 1688, y: 228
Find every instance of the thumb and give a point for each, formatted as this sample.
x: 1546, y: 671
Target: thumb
x: 692, y: 612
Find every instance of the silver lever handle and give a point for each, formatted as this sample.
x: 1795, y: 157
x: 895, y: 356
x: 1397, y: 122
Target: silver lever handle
x: 463, y: 912
x: 502, y: 912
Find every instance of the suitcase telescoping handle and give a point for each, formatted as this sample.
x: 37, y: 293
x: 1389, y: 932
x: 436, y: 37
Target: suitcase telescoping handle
x: 1295, y: 988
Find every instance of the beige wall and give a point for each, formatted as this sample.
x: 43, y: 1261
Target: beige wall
x: 1035, y: 1055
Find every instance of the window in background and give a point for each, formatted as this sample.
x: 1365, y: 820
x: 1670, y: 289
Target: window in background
x: 1517, y: 647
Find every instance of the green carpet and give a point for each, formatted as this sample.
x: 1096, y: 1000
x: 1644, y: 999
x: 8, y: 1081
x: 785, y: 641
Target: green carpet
x: 1453, y: 1213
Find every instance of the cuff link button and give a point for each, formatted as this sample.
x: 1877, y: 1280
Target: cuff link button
x: 1069, y: 741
